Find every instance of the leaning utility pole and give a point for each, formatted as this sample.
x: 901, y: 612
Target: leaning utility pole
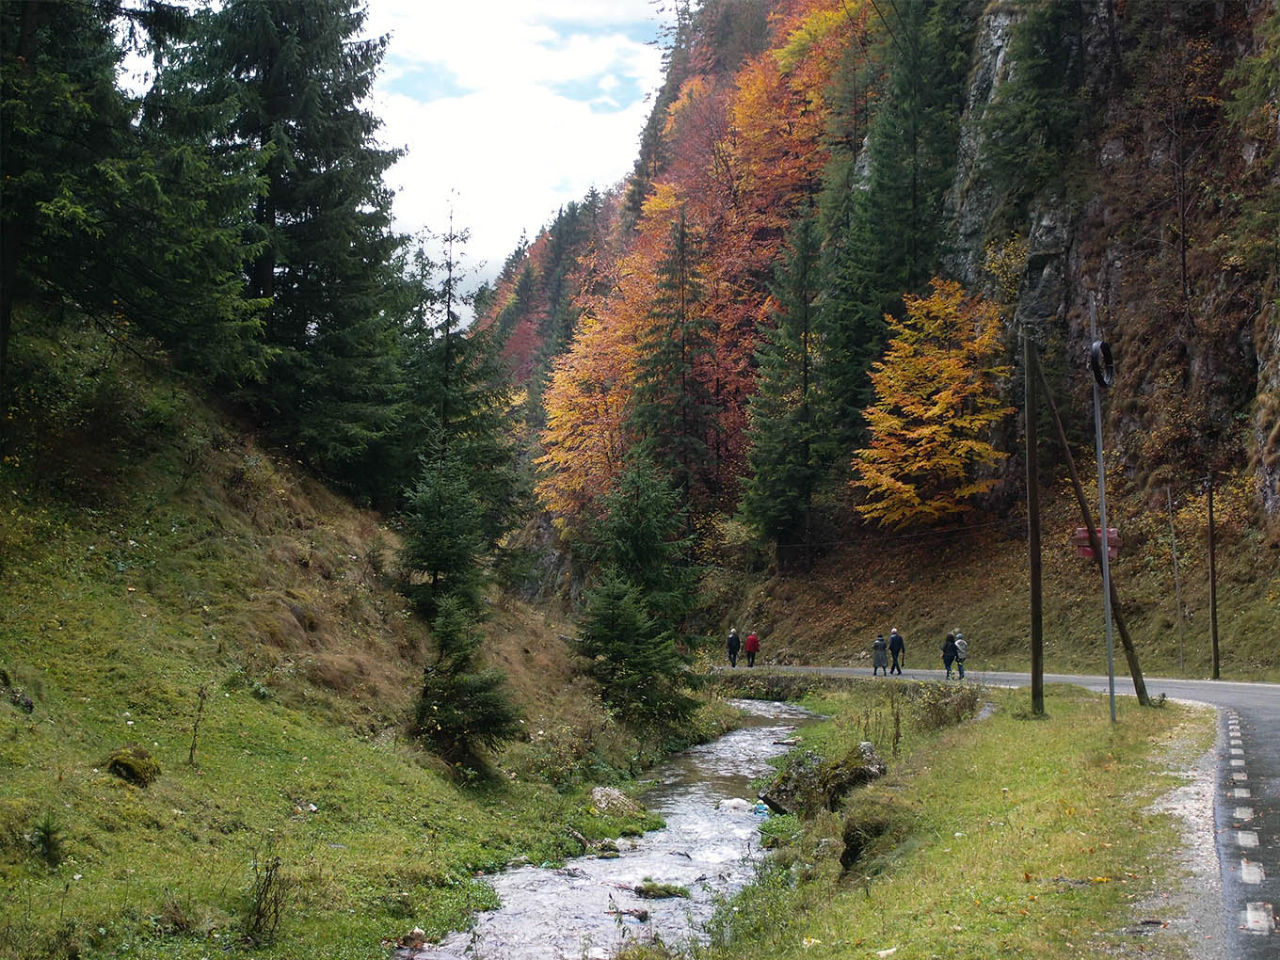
x: 1131, y: 655
x: 1101, y: 368
x: 1033, y: 525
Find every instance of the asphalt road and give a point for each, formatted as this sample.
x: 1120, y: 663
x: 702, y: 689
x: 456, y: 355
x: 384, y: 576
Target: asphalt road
x: 1246, y: 793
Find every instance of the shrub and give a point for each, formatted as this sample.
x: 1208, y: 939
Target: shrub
x: 267, y: 899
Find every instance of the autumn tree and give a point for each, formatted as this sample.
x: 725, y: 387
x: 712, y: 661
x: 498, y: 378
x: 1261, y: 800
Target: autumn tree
x: 937, y: 400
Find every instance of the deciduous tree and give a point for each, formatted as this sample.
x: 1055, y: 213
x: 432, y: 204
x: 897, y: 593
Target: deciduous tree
x: 937, y: 399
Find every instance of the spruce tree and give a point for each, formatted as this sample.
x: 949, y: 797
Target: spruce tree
x: 641, y: 538
x: 636, y: 663
x: 458, y: 392
x: 789, y: 452
x: 674, y: 411
x: 132, y: 222
x: 444, y: 538
x: 327, y: 254
x: 1033, y: 122
x: 885, y: 232
x: 463, y: 709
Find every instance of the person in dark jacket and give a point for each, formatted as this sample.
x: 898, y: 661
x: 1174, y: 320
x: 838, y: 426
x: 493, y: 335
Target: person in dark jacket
x: 734, y: 644
x: 949, y: 653
x: 751, y: 648
x: 898, y: 648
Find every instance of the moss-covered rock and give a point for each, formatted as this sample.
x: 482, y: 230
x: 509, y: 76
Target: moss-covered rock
x: 133, y: 764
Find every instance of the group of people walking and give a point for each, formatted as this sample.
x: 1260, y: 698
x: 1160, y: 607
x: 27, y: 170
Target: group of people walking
x: 735, y: 644
x: 955, y: 649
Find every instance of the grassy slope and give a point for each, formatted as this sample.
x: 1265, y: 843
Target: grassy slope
x: 149, y: 553
x: 927, y: 585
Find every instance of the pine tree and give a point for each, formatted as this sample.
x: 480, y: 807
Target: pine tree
x: 789, y: 454
x: 323, y: 219
x: 937, y: 401
x: 673, y: 409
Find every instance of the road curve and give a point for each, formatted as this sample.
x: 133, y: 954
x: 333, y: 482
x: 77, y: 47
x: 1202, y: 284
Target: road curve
x: 1246, y: 791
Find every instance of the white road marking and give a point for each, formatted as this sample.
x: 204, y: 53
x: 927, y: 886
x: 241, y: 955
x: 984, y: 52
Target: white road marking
x: 1258, y: 918
x: 1251, y: 871
x: 1244, y: 813
x: 1247, y: 838
x: 1241, y: 793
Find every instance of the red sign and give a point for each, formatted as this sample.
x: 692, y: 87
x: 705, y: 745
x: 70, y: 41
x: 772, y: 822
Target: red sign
x: 1080, y: 540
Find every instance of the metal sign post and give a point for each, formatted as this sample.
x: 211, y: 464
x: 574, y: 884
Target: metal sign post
x: 1100, y: 363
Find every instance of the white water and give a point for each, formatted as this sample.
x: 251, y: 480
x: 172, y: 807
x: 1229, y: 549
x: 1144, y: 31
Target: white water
x: 574, y: 912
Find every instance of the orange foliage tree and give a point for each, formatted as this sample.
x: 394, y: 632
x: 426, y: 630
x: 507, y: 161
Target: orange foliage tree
x: 937, y: 398
x: 588, y: 401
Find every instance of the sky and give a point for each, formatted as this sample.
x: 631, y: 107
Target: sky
x: 509, y: 109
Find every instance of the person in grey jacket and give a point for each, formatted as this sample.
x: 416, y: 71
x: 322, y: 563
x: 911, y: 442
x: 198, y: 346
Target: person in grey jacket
x: 879, y: 660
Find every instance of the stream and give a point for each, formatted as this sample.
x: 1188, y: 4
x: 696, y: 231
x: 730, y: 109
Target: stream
x: 581, y: 909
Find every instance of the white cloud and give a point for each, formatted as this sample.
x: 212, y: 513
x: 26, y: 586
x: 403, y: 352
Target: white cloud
x: 510, y: 109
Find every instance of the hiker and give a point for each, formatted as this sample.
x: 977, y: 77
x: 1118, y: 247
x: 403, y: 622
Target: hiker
x: 897, y: 647
x: 734, y: 645
x: 879, y: 661
x: 752, y: 648
x: 962, y: 651
x: 948, y: 653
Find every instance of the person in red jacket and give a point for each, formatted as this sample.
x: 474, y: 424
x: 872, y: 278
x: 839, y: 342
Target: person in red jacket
x: 752, y: 648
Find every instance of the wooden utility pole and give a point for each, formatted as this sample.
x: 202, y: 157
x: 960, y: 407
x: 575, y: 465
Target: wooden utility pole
x: 1213, y: 585
x: 1131, y: 655
x: 1177, y: 578
x: 1033, y: 525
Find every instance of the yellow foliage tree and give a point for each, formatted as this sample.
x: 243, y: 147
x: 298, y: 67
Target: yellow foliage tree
x: 937, y: 399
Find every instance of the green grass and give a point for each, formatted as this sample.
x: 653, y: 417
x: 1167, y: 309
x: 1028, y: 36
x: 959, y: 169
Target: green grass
x: 1011, y: 837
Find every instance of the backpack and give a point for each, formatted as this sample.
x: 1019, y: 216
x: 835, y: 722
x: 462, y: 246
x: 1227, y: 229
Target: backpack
x: 962, y: 648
